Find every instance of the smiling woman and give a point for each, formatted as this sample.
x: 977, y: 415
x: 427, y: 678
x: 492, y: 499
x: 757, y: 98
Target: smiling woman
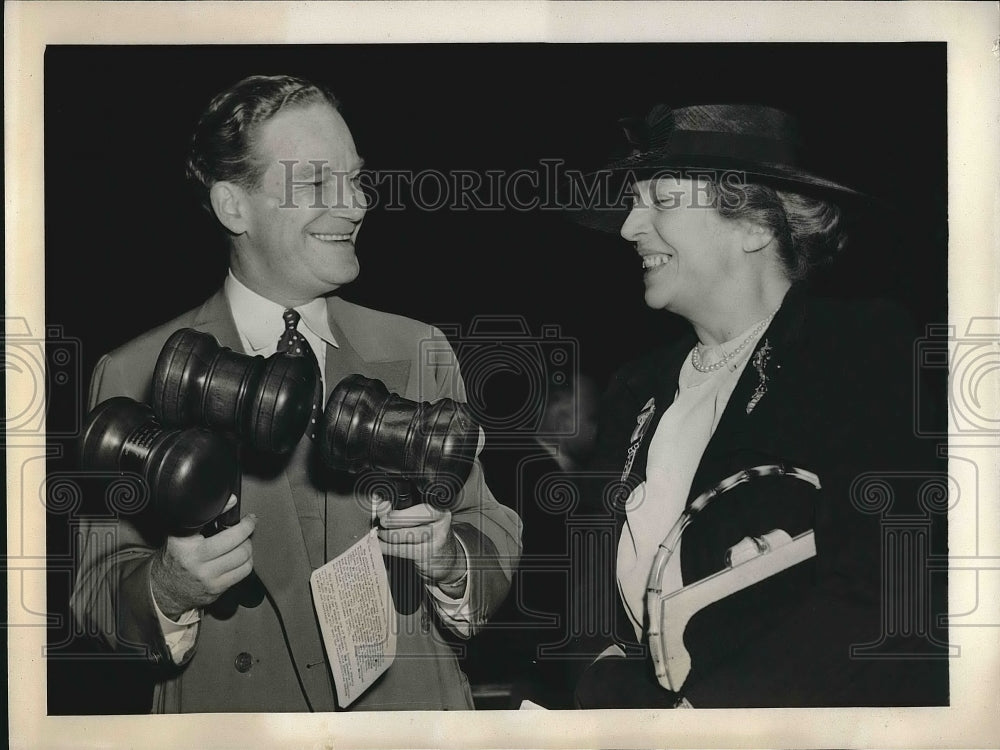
x: 696, y: 260
x: 774, y: 589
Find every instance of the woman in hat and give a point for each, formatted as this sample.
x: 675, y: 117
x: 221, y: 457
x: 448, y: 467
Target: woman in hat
x: 753, y: 449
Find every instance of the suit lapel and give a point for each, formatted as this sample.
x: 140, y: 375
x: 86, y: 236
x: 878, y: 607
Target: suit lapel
x: 216, y: 318
x: 660, y: 380
x: 737, y: 429
x: 341, y: 360
x: 353, y: 522
x: 344, y: 360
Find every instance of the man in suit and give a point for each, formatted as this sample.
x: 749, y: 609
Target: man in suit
x: 277, y: 166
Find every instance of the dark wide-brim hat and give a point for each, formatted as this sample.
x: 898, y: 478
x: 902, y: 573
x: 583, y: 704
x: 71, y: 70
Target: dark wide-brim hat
x: 750, y: 142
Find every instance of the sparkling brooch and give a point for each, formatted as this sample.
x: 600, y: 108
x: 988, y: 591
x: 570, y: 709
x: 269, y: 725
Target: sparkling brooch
x: 760, y: 360
x: 641, y: 425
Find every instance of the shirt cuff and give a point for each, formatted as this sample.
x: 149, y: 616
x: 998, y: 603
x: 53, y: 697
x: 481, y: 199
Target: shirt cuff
x: 456, y: 613
x: 180, y: 634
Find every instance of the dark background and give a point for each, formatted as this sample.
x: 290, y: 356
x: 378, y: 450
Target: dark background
x: 127, y: 247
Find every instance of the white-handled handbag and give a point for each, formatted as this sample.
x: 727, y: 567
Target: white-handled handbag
x: 750, y: 561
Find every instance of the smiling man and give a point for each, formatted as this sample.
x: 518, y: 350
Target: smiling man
x: 293, y: 233
x: 276, y: 165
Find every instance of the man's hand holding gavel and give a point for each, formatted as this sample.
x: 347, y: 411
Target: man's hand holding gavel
x: 263, y: 402
x: 191, y: 572
x: 423, y: 534
x: 365, y: 428
x: 432, y: 445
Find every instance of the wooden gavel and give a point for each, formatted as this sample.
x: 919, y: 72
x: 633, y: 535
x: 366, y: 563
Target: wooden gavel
x: 263, y: 402
x: 190, y: 473
x: 429, y: 446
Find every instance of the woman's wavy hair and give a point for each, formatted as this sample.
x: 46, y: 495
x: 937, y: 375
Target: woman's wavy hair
x: 810, y: 231
x: 222, y: 144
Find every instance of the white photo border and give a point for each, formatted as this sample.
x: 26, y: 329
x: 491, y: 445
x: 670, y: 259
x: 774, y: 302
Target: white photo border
x: 970, y: 31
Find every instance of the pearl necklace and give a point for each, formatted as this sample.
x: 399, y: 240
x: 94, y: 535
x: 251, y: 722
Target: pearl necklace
x: 696, y: 355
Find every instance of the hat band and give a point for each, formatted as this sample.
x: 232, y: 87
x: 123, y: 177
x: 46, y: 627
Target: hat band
x: 678, y: 144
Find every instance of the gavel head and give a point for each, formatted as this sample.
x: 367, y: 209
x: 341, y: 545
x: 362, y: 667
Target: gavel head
x: 265, y: 402
x: 190, y: 473
x: 366, y: 428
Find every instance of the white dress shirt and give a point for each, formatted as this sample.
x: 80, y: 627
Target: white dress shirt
x: 260, y: 325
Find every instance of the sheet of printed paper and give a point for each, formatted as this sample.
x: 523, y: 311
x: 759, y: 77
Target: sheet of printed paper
x: 356, y: 616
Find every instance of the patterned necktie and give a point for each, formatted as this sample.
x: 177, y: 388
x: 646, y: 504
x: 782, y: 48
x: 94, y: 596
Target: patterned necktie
x: 294, y: 344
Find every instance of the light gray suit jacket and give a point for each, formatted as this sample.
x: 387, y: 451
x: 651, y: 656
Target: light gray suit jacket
x: 280, y: 638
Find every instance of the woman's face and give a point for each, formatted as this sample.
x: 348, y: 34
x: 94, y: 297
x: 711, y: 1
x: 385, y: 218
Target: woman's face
x: 691, y: 256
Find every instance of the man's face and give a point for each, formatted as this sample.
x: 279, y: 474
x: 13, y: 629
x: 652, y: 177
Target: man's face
x: 304, y: 217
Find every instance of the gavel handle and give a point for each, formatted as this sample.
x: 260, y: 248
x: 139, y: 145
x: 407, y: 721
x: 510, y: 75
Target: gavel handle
x: 404, y: 584
x: 223, y: 521
x: 230, y: 517
x: 405, y: 494
x: 249, y: 592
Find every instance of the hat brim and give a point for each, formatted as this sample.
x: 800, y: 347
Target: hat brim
x: 606, y: 191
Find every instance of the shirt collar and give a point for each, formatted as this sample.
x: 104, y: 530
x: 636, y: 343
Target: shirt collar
x: 259, y: 320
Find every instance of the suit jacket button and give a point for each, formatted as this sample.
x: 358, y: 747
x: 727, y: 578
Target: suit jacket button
x: 243, y: 662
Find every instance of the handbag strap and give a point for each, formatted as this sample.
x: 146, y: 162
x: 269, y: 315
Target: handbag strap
x: 671, y: 540
x: 654, y: 585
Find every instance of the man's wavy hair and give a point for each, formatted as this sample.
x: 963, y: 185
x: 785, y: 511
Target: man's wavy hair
x: 222, y: 146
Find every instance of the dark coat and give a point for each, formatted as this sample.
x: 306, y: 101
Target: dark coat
x: 839, y: 402
x: 279, y: 636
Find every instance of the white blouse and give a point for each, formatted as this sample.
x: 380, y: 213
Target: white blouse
x: 674, y: 454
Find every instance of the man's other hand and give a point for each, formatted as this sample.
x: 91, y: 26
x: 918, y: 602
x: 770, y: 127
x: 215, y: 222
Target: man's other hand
x: 423, y: 534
